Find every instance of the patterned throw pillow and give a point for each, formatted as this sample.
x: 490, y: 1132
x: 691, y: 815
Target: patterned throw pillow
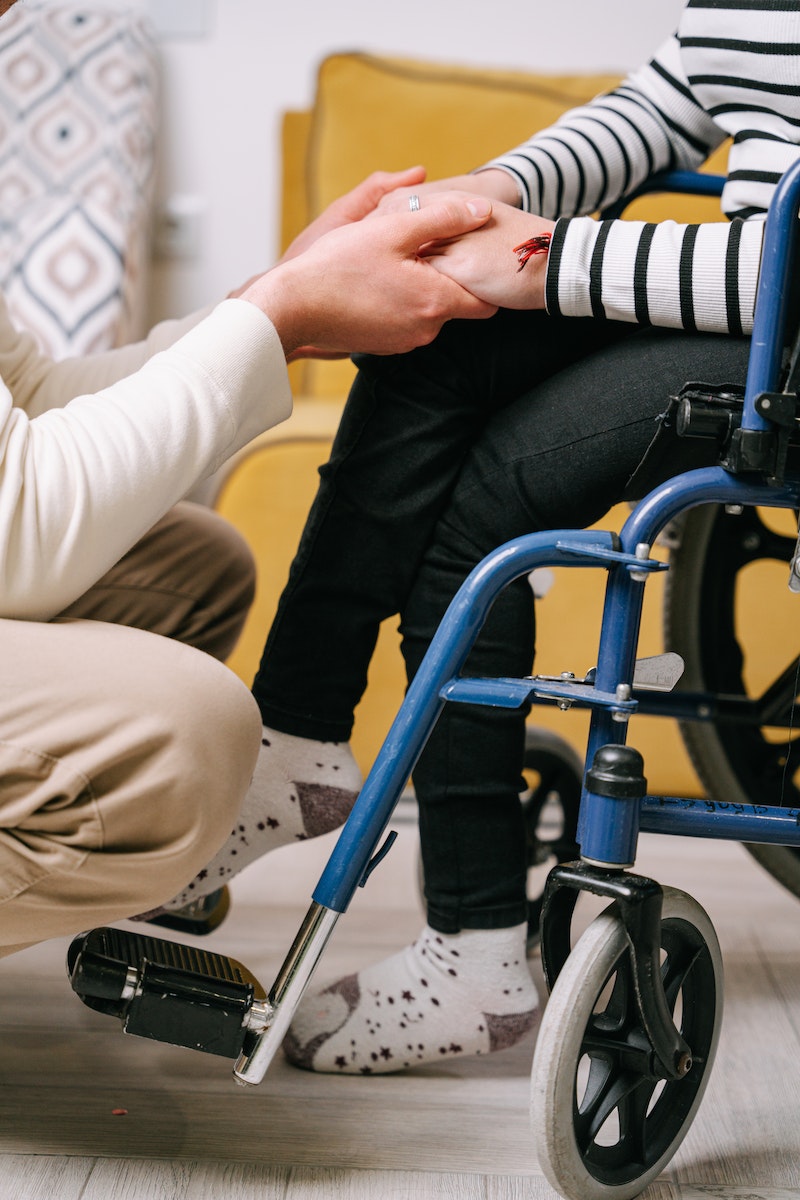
x: 77, y: 131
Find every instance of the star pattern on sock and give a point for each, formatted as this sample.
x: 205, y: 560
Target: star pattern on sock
x: 363, y: 1023
x: 301, y: 789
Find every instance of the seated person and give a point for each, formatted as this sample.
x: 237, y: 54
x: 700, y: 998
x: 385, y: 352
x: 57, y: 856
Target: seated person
x: 126, y: 751
x: 533, y: 420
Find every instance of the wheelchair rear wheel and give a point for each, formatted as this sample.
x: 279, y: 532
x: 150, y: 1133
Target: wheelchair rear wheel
x: 604, y: 1123
x: 725, y: 574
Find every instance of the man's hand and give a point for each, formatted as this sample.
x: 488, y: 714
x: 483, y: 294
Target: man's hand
x: 354, y: 206
x: 485, y: 262
x: 364, y: 286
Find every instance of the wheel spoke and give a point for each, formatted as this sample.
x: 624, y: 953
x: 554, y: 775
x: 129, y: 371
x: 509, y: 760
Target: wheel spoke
x: 619, y: 1058
x: 606, y: 1090
x: 633, y: 1122
x: 620, y: 1011
x: 767, y: 768
x: 774, y: 545
x: 677, y: 966
x: 747, y: 539
x: 594, y: 1101
x: 627, y: 1093
x: 548, y: 782
x: 777, y: 701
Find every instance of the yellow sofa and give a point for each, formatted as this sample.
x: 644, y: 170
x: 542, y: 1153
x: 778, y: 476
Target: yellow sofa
x: 370, y: 113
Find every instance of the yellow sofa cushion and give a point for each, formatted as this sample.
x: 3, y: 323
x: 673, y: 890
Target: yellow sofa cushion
x: 392, y: 113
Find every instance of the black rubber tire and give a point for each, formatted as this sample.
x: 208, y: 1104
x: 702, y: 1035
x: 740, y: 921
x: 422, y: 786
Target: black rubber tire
x: 605, y: 1133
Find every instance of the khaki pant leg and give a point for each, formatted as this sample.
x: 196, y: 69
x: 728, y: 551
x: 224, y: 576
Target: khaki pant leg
x: 124, y: 759
x: 192, y: 577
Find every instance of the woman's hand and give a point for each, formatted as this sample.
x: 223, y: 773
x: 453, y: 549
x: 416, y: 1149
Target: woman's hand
x: 492, y: 183
x: 364, y: 286
x: 486, y: 262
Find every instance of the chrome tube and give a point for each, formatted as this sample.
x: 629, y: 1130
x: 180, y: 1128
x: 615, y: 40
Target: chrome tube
x: 287, y: 990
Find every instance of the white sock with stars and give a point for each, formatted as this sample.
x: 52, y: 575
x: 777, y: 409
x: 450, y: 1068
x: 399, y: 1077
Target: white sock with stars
x: 446, y: 996
x: 300, y: 789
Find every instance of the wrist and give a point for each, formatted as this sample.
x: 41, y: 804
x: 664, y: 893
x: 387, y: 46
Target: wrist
x: 277, y: 297
x: 531, y: 247
x: 500, y: 185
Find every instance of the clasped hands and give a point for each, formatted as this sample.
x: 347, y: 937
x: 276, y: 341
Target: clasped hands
x: 387, y: 284
x: 483, y: 260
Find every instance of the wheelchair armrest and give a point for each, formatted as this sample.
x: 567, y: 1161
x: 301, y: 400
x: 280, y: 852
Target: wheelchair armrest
x: 691, y: 183
x: 772, y: 311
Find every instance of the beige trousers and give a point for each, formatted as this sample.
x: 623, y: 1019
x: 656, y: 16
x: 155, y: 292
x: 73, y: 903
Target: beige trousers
x: 126, y: 748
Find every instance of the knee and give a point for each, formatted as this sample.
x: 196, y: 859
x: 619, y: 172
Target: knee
x: 192, y: 764
x: 127, y: 782
x: 213, y: 746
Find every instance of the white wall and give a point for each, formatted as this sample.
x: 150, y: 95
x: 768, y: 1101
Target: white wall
x: 224, y: 92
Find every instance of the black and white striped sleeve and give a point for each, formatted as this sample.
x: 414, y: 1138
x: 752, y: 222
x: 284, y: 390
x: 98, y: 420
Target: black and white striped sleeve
x: 695, y: 277
x: 602, y: 150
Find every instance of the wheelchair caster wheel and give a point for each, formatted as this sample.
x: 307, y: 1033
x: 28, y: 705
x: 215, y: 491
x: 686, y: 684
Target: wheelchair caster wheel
x: 605, y: 1125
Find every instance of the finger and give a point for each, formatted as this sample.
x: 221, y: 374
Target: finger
x: 410, y: 177
x: 368, y: 194
x: 462, y: 303
x: 437, y: 248
x: 443, y: 219
x: 380, y: 183
x: 475, y: 309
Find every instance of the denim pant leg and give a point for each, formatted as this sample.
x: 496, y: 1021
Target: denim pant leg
x: 408, y: 423
x: 556, y: 457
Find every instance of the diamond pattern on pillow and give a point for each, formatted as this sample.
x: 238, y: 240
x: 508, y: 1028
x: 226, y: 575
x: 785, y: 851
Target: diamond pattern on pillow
x: 78, y: 118
x: 68, y: 287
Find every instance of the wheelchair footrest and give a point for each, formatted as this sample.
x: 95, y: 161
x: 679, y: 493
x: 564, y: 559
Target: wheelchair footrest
x: 166, y: 991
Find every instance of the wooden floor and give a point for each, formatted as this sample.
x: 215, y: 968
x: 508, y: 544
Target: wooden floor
x: 460, y: 1131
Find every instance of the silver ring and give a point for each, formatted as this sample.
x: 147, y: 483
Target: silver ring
x: 413, y: 203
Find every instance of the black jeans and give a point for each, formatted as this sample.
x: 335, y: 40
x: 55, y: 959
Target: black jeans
x: 499, y: 428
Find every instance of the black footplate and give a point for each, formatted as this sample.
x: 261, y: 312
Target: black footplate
x: 167, y: 992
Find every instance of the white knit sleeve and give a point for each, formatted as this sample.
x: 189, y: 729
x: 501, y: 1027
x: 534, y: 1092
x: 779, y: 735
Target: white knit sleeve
x: 80, y: 484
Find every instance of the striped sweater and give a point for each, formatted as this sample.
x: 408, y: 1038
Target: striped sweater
x: 732, y: 70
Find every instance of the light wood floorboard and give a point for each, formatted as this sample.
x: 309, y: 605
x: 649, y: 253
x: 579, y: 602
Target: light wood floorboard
x: 458, y: 1131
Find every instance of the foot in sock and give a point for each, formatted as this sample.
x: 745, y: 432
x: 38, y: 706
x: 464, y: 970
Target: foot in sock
x: 446, y: 996
x: 300, y: 789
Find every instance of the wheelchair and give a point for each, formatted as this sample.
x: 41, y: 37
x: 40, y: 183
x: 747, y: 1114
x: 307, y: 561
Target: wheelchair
x: 630, y: 1030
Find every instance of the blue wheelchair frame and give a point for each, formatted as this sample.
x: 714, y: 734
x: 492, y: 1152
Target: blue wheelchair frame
x: 609, y: 824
